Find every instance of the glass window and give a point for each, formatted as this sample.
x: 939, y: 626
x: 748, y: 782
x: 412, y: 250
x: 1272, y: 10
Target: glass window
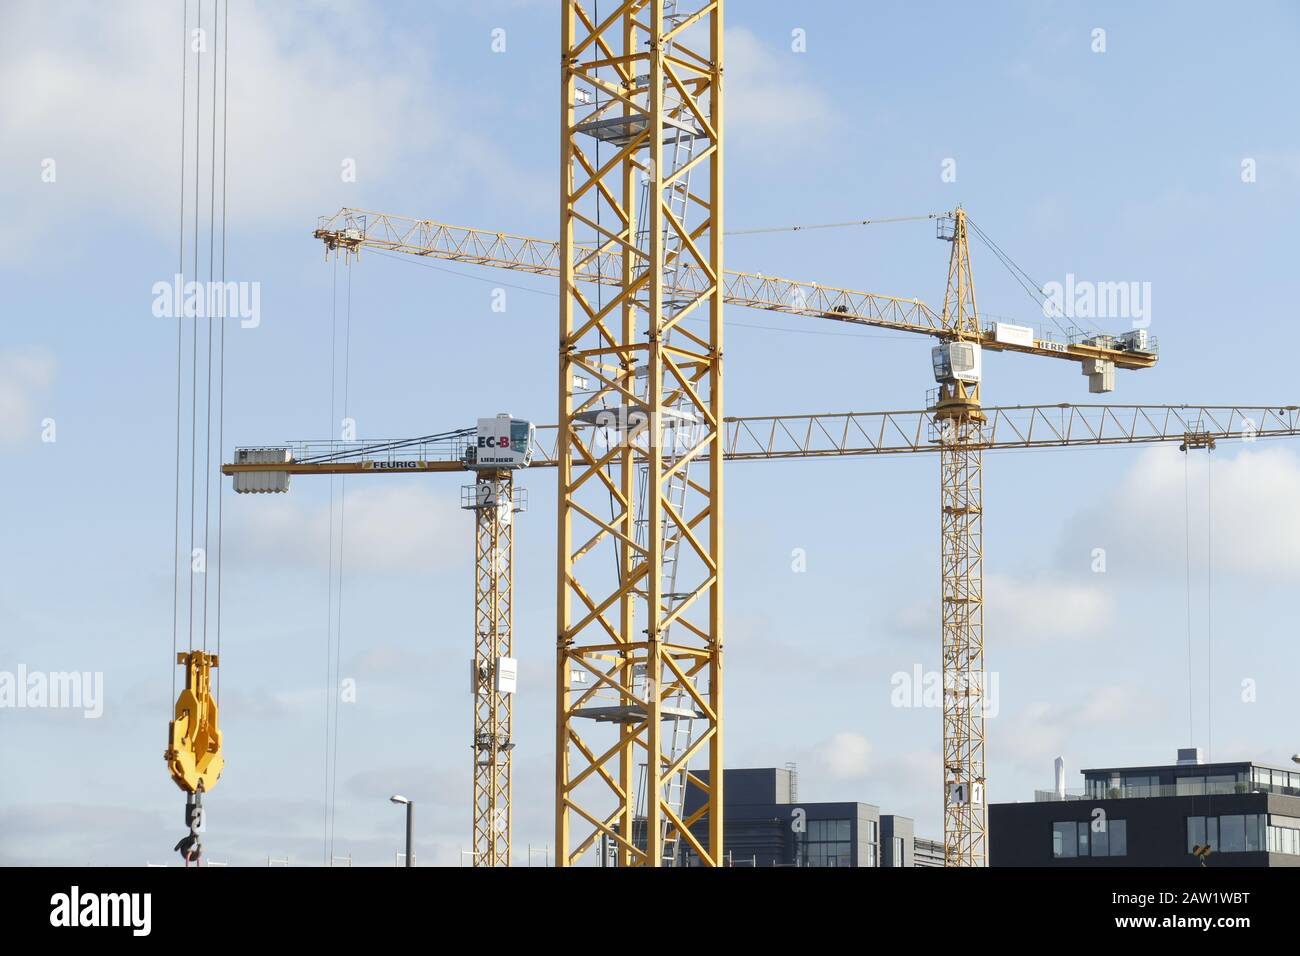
x: 1141, y: 785
x: 1190, y: 785
x: 1100, y: 787
x: 1065, y: 840
x: 1283, y: 840
x: 1101, y: 842
x: 1118, y: 837
x: 822, y: 846
x: 1232, y: 831
x: 1253, y: 842
x: 1221, y: 783
x: 1083, y: 838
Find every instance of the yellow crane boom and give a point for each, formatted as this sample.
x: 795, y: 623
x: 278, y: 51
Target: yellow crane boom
x: 829, y: 435
x: 351, y: 230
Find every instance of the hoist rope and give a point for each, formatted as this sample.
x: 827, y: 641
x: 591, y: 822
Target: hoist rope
x: 830, y: 225
x: 194, y: 299
x: 194, y: 338
x: 180, y: 268
x: 1209, y: 605
x: 338, y: 624
x: 221, y: 375
x: 1187, y: 550
x: 329, y: 594
x: 334, y: 595
x: 212, y: 259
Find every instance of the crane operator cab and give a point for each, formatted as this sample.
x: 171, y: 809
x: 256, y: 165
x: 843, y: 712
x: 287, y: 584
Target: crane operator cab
x: 501, y: 443
x: 956, y: 362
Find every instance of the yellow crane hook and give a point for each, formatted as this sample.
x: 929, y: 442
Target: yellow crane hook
x: 194, y: 741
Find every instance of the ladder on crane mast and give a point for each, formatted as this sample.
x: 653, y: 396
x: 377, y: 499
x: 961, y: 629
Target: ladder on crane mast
x: 681, y: 141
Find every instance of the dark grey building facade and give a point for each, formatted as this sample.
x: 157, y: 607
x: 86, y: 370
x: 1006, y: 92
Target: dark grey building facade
x: 1247, y: 813
x: 767, y: 825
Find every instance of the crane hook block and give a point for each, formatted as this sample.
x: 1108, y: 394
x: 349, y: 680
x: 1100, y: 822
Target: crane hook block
x: 194, y: 741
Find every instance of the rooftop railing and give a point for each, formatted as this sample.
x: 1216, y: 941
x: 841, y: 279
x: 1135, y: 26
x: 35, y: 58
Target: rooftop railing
x: 1123, y: 792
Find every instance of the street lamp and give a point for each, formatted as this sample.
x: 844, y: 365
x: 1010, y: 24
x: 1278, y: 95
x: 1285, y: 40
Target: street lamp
x: 1295, y: 758
x: 410, y: 808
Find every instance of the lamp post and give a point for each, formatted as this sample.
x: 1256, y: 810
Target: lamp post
x: 410, y: 809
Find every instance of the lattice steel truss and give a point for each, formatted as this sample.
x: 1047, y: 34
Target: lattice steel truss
x: 961, y: 558
x: 960, y: 424
x: 642, y: 115
x: 492, y: 500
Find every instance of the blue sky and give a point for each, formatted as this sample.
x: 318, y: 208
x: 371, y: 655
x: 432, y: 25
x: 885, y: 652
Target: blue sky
x: 1117, y: 166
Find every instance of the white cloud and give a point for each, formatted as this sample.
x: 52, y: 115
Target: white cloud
x: 1039, y: 609
x: 25, y: 378
x: 845, y: 756
x: 769, y: 108
x: 96, y: 88
x: 396, y: 528
x: 1021, y: 610
x: 1255, y: 525
x: 1042, y: 731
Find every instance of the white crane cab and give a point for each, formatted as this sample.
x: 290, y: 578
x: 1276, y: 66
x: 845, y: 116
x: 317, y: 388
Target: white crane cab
x: 957, y: 362
x: 502, y: 442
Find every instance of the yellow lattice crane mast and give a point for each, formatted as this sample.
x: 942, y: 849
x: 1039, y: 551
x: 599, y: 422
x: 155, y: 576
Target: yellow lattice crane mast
x: 639, y: 666
x: 960, y: 421
x: 493, y: 450
x: 493, y: 673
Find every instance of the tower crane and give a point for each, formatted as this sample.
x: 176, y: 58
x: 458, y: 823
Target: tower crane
x: 957, y: 365
x: 757, y: 438
x: 493, y: 451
